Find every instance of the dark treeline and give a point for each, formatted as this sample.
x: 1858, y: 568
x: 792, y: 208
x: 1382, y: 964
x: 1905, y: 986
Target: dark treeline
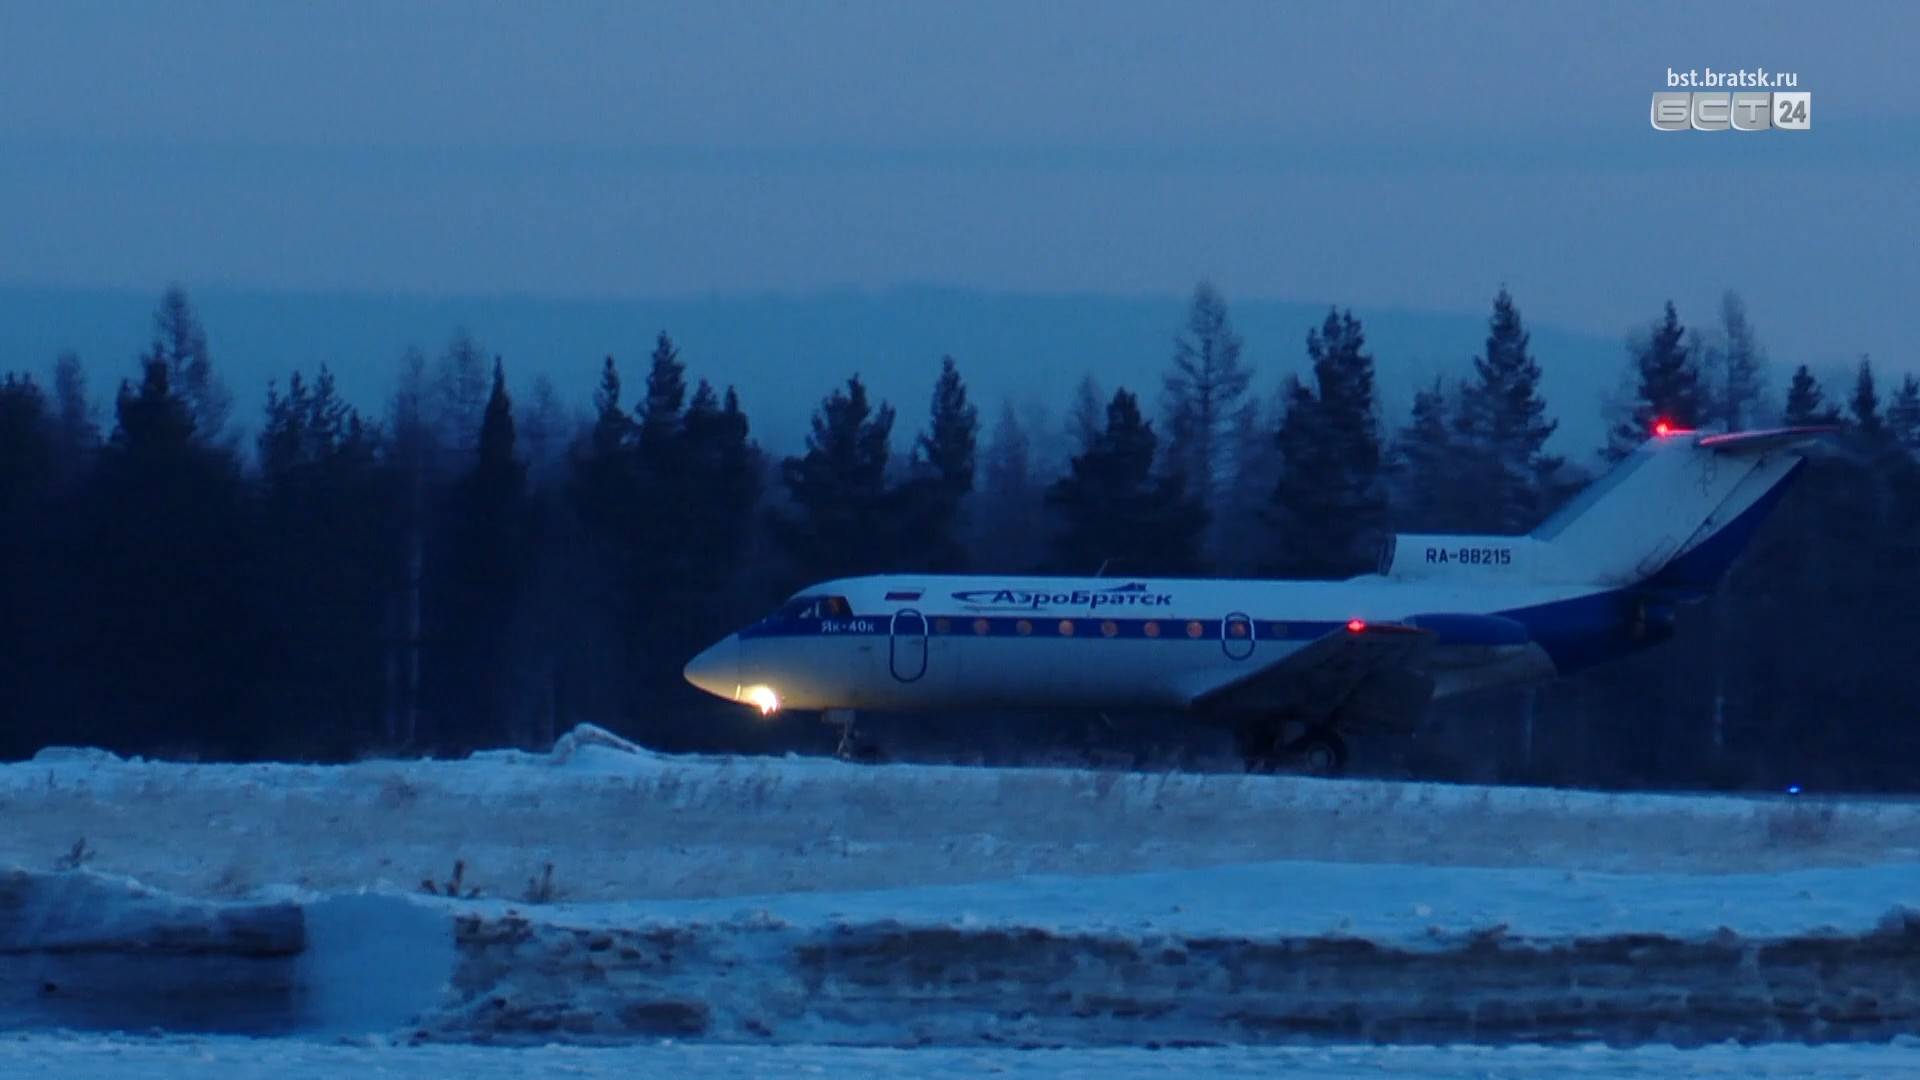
x: 468, y: 569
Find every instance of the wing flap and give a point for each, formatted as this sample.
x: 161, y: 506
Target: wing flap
x: 1316, y: 679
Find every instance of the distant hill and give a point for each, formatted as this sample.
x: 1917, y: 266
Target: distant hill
x: 783, y: 352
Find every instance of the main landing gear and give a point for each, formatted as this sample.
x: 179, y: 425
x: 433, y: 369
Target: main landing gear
x: 1319, y: 751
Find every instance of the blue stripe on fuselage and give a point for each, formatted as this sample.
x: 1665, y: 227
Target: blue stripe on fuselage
x: 1041, y: 626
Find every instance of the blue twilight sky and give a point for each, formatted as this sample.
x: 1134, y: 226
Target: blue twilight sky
x: 1382, y: 155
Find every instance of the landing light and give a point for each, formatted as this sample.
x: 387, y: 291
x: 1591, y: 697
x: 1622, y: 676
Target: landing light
x: 762, y: 698
x: 1664, y: 427
x: 1354, y: 626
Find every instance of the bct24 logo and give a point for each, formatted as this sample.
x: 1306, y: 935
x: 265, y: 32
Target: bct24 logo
x: 1132, y: 594
x: 1759, y: 110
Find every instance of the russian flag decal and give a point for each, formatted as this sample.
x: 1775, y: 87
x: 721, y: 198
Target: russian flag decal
x: 903, y: 596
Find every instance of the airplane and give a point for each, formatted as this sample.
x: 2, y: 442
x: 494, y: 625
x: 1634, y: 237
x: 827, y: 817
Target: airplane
x: 1291, y: 666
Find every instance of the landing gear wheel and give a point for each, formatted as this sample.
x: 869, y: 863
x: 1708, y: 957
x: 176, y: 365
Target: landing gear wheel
x: 1320, y: 752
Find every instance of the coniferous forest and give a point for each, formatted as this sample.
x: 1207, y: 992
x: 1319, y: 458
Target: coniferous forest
x: 189, y: 576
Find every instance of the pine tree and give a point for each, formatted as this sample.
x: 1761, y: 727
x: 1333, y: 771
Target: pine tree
x: 1504, y: 430
x: 1202, y: 396
x: 1115, y: 514
x: 1668, y: 387
x: 1329, y: 503
x: 839, y: 490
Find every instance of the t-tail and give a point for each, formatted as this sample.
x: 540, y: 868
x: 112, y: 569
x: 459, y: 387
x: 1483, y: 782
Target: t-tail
x: 1668, y: 519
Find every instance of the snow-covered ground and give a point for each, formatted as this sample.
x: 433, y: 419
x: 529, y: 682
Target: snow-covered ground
x: 621, y: 826
x: 803, y: 903
x: 120, y: 1058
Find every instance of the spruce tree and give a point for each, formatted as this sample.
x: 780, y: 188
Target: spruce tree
x: 37, y: 617
x: 946, y: 449
x: 1903, y: 415
x: 1668, y: 385
x: 28, y: 446
x: 161, y: 567
x: 480, y: 587
x: 76, y: 436
x: 940, y: 479
x: 1116, y: 514
x: 1504, y: 430
x: 1427, y: 460
x: 838, y: 489
x: 1806, y: 403
x: 723, y: 471
x: 659, y: 413
x: 1865, y: 405
x: 1329, y: 504
x: 331, y: 549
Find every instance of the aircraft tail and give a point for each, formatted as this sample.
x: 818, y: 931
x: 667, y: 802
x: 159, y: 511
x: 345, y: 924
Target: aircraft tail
x: 1671, y: 517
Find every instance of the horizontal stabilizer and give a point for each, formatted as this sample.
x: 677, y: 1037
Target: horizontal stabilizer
x: 1761, y: 442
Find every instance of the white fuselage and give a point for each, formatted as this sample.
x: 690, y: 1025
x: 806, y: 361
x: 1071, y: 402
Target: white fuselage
x: 927, y: 642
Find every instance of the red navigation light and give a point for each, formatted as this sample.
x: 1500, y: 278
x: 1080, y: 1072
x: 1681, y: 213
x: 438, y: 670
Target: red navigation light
x: 1354, y: 626
x: 1662, y: 428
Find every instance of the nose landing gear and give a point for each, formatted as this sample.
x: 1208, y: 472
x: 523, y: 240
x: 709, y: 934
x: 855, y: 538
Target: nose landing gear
x: 851, y: 746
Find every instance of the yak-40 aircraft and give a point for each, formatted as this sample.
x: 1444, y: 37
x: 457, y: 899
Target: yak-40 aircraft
x: 1290, y: 665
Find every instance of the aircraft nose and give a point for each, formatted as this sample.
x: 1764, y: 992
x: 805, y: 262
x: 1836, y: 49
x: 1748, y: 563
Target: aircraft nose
x: 717, y: 670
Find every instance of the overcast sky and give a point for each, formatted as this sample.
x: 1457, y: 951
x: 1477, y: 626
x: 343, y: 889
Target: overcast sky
x: 1386, y: 154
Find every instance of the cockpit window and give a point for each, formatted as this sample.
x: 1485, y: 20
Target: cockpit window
x: 815, y: 607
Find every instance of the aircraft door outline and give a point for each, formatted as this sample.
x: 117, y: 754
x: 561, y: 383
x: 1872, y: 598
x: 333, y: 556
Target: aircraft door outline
x: 907, y: 645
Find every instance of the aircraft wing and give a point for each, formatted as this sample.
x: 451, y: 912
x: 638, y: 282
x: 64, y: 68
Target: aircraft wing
x: 1317, y: 679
